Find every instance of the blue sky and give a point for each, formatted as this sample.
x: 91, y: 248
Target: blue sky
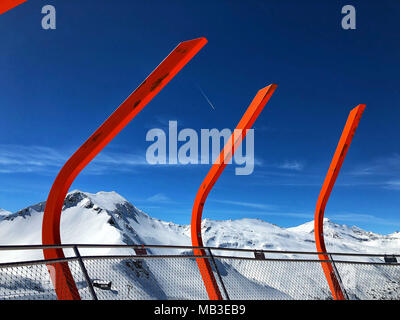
x: 58, y: 86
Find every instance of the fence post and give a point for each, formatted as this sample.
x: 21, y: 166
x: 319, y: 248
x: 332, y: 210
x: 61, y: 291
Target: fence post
x: 218, y: 274
x: 338, y: 278
x: 85, y: 274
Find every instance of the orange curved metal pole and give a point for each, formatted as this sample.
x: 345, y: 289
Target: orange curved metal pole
x: 62, y: 279
x: 6, y: 5
x: 333, y: 172
x: 251, y: 114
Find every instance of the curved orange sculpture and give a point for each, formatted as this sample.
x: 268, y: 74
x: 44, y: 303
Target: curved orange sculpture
x: 251, y: 114
x: 62, y: 279
x: 333, y: 172
x: 6, y: 5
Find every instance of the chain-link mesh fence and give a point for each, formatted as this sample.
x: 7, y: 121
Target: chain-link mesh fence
x: 251, y: 279
x: 33, y: 282
x: 239, y: 274
x: 164, y: 278
x: 363, y: 281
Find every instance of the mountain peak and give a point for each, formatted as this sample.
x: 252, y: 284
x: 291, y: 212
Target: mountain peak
x: 4, y: 212
x: 108, y: 200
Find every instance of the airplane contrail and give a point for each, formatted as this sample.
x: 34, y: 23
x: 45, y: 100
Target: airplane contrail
x: 205, y: 96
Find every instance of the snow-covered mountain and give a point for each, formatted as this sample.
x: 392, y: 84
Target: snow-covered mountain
x: 108, y: 218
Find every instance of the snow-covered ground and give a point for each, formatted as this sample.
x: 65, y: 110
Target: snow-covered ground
x: 4, y: 212
x: 108, y: 218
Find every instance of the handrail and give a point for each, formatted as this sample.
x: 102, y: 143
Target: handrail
x: 63, y: 282
x: 149, y: 246
x: 333, y: 172
x: 193, y: 256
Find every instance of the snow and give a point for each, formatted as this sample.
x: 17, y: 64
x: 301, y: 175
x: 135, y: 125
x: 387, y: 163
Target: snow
x: 108, y: 218
x: 4, y: 213
x: 104, y: 200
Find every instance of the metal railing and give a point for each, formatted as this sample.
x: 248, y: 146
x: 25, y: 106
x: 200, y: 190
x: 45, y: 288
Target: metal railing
x: 171, y: 272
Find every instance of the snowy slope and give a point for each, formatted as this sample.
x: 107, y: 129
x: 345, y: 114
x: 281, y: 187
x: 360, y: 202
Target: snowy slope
x: 4, y: 213
x: 101, y: 218
x: 108, y: 218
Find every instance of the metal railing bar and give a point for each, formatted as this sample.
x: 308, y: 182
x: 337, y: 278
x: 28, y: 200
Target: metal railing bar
x: 358, y: 254
x: 143, y: 257
x: 35, y: 262
x: 238, y: 250
x: 37, y: 247
x: 218, y: 274
x: 270, y: 259
x: 231, y: 258
x: 309, y: 260
x: 339, y: 278
x: 51, y: 261
x: 110, y: 257
x: 85, y: 274
x: 367, y: 263
x: 94, y: 246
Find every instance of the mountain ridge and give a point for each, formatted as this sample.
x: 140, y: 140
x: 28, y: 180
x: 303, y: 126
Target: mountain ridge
x: 109, y: 218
